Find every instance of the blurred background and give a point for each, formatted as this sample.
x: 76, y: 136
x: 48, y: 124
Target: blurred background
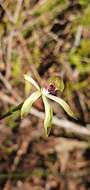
x: 49, y: 40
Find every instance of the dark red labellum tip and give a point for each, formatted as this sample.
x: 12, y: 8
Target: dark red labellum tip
x: 52, y: 90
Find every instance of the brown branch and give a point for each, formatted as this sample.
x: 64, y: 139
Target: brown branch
x: 28, y: 57
x: 70, y: 129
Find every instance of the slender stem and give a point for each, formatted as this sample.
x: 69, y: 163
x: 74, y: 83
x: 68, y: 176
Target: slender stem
x: 11, y: 111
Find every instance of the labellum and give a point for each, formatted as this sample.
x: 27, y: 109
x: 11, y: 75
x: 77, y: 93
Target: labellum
x: 52, y: 90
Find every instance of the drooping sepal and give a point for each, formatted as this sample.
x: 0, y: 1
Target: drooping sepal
x: 63, y: 104
x: 48, y: 116
x: 26, y: 107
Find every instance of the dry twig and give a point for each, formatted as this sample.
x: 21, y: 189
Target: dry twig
x: 71, y: 129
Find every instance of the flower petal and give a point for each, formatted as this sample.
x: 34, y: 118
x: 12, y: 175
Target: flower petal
x: 28, y: 103
x: 64, y: 105
x: 48, y: 115
x: 32, y: 81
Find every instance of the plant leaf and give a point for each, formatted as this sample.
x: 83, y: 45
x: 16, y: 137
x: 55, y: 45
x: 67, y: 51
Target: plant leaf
x: 48, y: 115
x: 63, y: 104
x: 28, y: 103
x: 32, y: 81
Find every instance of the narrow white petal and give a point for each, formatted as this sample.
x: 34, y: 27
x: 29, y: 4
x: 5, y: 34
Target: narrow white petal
x: 32, y: 81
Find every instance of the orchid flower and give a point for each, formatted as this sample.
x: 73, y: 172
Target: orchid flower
x: 45, y: 95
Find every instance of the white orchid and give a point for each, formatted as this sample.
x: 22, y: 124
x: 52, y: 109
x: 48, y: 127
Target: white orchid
x: 45, y: 94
